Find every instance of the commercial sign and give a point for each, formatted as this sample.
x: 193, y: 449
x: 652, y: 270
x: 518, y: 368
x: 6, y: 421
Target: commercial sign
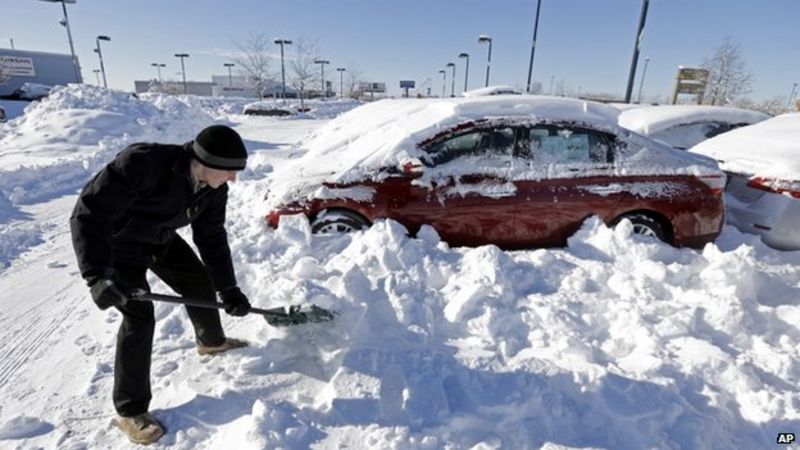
x: 406, y: 84
x: 17, y: 66
x: 690, y: 80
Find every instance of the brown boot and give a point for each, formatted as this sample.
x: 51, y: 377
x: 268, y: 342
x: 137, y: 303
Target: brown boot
x: 141, y: 429
x: 228, y: 344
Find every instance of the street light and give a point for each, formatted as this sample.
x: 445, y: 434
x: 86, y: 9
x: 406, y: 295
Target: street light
x: 183, y: 70
x: 100, y: 55
x: 230, y: 77
x: 453, y: 80
x: 635, y: 59
x: 283, y: 42
x: 444, y: 80
x: 158, y: 67
x: 533, y: 44
x: 484, y: 38
x: 65, y: 23
x: 466, y: 71
x: 641, y: 82
x: 341, y: 71
x: 97, y: 75
x: 322, y: 63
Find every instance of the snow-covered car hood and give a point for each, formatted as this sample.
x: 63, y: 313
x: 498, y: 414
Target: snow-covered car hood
x: 384, y: 134
x: 768, y: 149
x: 652, y: 119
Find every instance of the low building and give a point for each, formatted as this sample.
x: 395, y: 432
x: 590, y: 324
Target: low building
x: 18, y: 67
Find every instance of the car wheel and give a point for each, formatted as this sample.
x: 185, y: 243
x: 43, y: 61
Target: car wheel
x: 645, y: 225
x: 338, y: 222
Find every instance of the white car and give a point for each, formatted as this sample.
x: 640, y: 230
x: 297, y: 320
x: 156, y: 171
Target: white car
x: 492, y: 90
x: 684, y: 126
x: 763, y: 166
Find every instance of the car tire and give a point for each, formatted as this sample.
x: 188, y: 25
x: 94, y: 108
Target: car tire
x: 338, y: 222
x: 645, y: 225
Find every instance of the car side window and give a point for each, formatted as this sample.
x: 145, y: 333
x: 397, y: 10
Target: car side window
x: 553, y: 144
x: 490, y: 145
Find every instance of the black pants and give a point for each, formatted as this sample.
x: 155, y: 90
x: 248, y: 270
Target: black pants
x: 180, y: 268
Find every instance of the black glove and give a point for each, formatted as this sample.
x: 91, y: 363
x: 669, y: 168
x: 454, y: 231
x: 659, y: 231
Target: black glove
x: 106, y: 293
x: 236, y: 302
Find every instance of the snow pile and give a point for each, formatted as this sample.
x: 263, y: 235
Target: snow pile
x: 768, y: 149
x: 615, y: 342
x: 66, y: 137
x: 21, y: 427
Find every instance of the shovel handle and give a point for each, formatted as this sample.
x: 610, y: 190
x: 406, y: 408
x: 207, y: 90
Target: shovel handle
x: 149, y: 297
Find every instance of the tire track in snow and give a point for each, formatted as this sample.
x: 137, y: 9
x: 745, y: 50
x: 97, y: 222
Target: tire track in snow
x: 24, y: 341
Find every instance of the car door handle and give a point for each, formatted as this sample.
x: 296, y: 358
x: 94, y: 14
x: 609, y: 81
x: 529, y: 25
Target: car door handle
x: 605, y: 190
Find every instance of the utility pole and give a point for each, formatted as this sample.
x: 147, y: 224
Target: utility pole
x: 635, y: 59
x: 533, y: 44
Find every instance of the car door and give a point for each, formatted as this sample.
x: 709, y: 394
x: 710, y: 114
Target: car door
x: 567, y: 176
x: 465, y: 193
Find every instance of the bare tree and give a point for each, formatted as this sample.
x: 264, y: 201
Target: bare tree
x: 772, y: 106
x: 253, y: 61
x: 728, y: 75
x: 302, y: 67
x: 354, y: 77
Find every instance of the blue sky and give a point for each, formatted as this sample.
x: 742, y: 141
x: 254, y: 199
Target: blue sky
x: 586, y: 43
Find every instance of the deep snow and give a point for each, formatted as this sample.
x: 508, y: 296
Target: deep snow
x: 614, y: 342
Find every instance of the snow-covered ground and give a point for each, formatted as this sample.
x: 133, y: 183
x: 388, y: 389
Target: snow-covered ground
x: 614, y: 342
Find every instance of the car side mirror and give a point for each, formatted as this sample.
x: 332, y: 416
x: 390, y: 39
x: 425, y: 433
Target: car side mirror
x: 412, y: 167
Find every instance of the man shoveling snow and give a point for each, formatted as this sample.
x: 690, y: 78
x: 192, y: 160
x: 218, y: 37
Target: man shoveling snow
x: 125, y: 223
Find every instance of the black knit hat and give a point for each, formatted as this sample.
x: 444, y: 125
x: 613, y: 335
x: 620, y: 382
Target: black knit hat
x: 220, y: 147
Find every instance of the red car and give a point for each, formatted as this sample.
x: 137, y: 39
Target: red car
x: 514, y: 171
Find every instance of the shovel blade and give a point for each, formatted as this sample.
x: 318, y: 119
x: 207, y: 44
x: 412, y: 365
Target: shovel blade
x: 297, y: 316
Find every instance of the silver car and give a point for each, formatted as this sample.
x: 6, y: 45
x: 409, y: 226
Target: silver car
x: 763, y: 166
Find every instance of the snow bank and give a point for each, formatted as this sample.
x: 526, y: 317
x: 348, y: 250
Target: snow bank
x: 769, y: 149
x: 616, y: 342
x: 63, y: 139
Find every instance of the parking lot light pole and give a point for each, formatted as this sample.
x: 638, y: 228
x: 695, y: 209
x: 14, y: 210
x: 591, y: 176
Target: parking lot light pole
x: 65, y: 23
x: 641, y: 82
x: 341, y: 71
x: 466, y: 70
x: 533, y: 44
x: 322, y: 63
x: 791, y: 96
x: 452, y: 80
x: 444, y: 80
x: 183, y: 70
x: 100, y: 55
x: 635, y: 59
x: 283, y: 42
x: 158, y: 67
x: 484, y: 38
x: 230, y: 77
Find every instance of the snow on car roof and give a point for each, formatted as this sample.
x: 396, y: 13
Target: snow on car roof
x: 768, y: 149
x: 383, y: 134
x: 652, y: 119
x: 492, y: 90
x: 386, y: 132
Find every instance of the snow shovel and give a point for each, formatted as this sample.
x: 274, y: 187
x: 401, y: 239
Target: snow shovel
x: 277, y: 317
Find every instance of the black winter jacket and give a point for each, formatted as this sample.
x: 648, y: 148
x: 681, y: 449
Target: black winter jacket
x: 130, y: 210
